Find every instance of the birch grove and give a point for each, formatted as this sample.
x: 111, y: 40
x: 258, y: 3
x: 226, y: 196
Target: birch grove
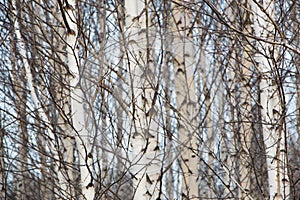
x: 149, y: 99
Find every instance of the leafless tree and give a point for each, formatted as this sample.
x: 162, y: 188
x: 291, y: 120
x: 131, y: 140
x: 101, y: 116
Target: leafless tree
x: 149, y: 99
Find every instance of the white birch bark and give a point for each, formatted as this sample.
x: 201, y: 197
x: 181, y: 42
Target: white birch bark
x: 238, y: 91
x: 232, y: 90
x: 65, y: 174
x: 271, y: 104
x: 183, y: 60
x: 245, y: 106
x: 208, y: 146
x: 77, y: 104
x: 105, y: 176
x: 245, y: 130
x: 124, y: 189
x: 169, y: 176
x: 145, y: 158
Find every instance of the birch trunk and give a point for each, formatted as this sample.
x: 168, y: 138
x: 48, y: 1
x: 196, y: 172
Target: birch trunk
x: 183, y: 60
x: 245, y: 130
x: 77, y: 104
x: 271, y: 101
x: 65, y: 173
x: 144, y: 141
x: 207, y: 133
x: 124, y: 189
x: 105, y: 176
x: 232, y: 88
x: 169, y: 137
x: 232, y: 93
x: 246, y: 133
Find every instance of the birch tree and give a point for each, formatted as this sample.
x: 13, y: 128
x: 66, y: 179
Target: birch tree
x: 77, y: 102
x: 183, y: 60
x: 273, y: 108
x: 144, y: 138
x: 243, y: 74
x: 148, y: 99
